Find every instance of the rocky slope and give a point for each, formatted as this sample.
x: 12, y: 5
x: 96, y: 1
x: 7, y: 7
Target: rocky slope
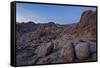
x: 53, y: 43
x: 86, y: 26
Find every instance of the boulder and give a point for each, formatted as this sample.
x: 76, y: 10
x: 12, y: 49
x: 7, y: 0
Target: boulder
x: 82, y: 51
x: 67, y: 52
x: 44, y: 49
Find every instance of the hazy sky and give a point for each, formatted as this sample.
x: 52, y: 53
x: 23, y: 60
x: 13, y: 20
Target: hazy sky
x: 40, y: 13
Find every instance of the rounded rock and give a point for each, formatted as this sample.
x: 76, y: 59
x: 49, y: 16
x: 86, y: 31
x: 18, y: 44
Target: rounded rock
x: 82, y: 51
x: 67, y: 53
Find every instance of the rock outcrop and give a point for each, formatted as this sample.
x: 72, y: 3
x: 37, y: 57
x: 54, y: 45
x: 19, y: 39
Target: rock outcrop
x: 44, y: 50
x: 86, y: 27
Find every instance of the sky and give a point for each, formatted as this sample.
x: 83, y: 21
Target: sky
x: 40, y: 13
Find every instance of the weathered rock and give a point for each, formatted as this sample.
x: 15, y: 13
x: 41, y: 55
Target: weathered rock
x: 86, y: 27
x: 52, y: 58
x: 26, y: 60
x: 82, y: 51
x: 67, y: 52
x: 44, y: 49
